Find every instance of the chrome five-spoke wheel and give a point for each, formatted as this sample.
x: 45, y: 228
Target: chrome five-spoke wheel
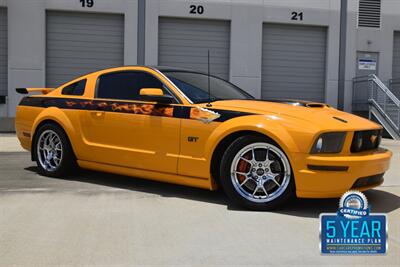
x: 260, y: 172
x: 53, y: 152
x: 49, y: 150
x: 256, y: 173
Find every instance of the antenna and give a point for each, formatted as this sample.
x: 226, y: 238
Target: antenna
x: 208, y: 76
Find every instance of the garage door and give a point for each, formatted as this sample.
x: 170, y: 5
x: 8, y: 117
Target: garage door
x: 3, y: 52
x: 293, y: 62
x: 396, y: 55
x: 184, y: 43
x: 78, y: 43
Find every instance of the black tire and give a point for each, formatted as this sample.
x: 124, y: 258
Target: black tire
x: 233, y: 193
x: 67, y: 163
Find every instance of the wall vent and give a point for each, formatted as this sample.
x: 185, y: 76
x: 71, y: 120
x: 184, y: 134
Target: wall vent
x: 369, y: 13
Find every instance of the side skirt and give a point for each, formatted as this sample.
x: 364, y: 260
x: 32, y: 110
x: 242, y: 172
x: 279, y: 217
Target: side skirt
x: 150, y: 175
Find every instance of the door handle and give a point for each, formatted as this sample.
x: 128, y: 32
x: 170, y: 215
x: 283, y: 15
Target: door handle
x: 97, y: 113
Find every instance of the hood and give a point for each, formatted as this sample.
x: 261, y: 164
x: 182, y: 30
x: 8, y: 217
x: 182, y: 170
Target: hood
x: 318, y: 114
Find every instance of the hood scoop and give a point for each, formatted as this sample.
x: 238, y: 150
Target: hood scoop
x: 300, y: 103
x: 315, y: 105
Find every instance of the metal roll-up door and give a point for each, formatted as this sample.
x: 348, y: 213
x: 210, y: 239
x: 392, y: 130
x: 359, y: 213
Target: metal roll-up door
x: 79, y: 43
x: 184, y: 43
x: 396, y: 55
x: 3, y: 52
x: 395, y: 83
x: 293, y: 62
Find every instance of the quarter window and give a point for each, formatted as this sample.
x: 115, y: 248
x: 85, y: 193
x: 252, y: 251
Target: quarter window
x: 126, y: 85
x: 77, y: 88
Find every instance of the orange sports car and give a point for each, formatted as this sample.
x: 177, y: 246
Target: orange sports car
x: 189, y: 128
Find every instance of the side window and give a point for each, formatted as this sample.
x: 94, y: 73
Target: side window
x: 77, y: 88
x: 125, y: 85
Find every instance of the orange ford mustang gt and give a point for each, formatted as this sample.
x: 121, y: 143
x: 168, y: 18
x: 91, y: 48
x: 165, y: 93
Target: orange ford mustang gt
x: 162, y: 124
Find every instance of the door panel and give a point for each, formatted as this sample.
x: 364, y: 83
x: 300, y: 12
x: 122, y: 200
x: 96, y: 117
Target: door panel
x: 396, y: 55
x: 139, y: 141
x: 122, y: 129
x: 3, y: 52
x: 367, y: 63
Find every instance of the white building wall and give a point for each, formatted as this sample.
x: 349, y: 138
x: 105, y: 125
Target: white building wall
x: 246, y: 47
x: 26, y: 37
x: 26, y: 42
x: 26, y: 49
x: 370, y: 40
x: 247, y: 18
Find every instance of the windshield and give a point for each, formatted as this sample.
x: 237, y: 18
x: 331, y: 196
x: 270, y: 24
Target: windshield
x: 195, y: 86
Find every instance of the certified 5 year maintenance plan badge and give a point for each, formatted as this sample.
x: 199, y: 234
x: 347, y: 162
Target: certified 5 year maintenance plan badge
x: 353, y: 229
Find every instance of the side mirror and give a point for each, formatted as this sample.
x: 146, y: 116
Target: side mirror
x: 155, y: 95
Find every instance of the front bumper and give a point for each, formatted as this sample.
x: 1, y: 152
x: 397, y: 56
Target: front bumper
x: 359, y: 171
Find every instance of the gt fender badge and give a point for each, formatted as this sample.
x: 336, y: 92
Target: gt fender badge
x: 203, y: 115
x: 192, y: 139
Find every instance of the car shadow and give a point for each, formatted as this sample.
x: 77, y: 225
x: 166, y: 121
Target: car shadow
x: 143, y: 185
x: 380, y: 201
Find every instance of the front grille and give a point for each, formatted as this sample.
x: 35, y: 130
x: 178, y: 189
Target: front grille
x: 366, y: 140
x: 367, y: 181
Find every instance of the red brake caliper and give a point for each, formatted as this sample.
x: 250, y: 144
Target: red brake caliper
x: 242, y: 167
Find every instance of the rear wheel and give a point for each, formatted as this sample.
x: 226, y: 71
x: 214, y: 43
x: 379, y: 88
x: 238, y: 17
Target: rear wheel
x: 256, y: 173
x: 53, y: 151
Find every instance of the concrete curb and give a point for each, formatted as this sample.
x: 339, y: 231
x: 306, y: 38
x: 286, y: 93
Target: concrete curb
x: 9, y: 143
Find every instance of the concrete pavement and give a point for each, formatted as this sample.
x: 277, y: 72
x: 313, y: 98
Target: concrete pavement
x: 97, y: 219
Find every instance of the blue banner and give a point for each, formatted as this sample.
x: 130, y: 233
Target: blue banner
x: 364, y: 235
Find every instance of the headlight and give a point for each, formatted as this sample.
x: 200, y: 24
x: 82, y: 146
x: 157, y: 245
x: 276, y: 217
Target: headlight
x: 329, y: 143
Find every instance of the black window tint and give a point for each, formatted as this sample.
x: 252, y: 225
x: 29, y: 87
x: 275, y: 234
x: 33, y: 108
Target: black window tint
x: 125, y: 85
x: 77, y: 88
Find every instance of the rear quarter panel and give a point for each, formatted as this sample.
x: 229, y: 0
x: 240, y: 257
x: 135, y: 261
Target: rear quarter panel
x: 25, y: 118
x: 68, y: 120
x: 29, y: 118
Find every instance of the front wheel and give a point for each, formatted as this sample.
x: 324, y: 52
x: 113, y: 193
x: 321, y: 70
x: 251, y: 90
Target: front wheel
x: 256, y: 173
